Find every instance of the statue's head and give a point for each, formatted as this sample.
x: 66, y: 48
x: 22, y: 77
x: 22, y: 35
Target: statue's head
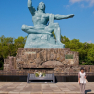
x: 41, y: 6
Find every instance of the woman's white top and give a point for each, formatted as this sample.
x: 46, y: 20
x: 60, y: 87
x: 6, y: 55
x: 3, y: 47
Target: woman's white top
x: 82, y: 77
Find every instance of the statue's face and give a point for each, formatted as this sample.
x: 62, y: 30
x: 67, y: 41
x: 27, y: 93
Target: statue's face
x: 41, y: 6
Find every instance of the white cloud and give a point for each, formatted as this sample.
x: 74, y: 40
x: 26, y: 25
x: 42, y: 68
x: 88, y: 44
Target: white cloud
x: 75, y: 1
x: 90, y: 2
x: 89, y: 41
x: 67, y: 6
x: 93, y: 12
x: 82, y: 5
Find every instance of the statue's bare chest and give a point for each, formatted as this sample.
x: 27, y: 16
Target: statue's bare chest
x: 40, y: 17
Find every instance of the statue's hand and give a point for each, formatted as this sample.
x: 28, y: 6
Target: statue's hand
x: 29, y: 2
x: 72, y: 15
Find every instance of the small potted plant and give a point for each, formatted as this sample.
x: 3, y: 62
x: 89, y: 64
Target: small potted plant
x: 37, y: 74
x: 43, y: 74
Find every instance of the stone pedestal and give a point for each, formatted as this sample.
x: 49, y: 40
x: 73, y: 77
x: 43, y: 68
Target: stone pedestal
x: 29, y: 60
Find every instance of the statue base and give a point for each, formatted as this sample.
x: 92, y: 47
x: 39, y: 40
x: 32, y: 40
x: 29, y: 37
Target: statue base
x: 29, y: 60
x: 42, y: 41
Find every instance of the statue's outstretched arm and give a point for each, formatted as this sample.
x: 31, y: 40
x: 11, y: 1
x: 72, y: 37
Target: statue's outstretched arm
x: 31, y: 8
x: 59, y: 17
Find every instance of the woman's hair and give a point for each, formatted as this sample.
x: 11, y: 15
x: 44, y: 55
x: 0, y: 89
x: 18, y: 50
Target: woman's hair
x: 81, y: 68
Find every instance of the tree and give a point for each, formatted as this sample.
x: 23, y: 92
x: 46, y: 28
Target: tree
x: 19, y: 42
x: 90, y: 54
x: 82, y: 48
x: 9, y: 47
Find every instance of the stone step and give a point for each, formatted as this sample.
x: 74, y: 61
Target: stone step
x: 44, y: 92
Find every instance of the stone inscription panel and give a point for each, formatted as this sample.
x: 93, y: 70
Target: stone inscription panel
x: 30, y: 52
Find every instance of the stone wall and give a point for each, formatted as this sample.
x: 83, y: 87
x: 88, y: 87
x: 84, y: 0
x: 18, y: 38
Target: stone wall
x: 28, y: 60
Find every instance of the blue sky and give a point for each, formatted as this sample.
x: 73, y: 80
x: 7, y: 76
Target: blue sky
x: 14, y: 13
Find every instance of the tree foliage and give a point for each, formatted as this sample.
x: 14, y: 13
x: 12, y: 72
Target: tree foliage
x: 9, y: 47
x: 86, y: 50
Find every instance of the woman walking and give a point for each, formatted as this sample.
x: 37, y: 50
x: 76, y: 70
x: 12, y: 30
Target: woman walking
x: 82, y: 80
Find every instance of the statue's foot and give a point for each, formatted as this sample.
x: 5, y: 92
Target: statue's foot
x: 59, y: 43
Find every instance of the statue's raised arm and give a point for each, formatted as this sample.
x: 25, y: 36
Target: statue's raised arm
x: 31, y: 8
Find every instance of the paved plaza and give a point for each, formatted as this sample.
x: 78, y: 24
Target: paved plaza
x: 44, y: 88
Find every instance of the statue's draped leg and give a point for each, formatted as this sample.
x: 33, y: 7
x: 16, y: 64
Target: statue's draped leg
x: 58, y: 35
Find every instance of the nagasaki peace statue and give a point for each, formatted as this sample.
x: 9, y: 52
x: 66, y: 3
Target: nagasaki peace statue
x: 40, y: 35
x: 42, y: 52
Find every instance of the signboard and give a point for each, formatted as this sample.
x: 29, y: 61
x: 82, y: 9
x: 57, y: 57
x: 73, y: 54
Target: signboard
x: 30, y: 52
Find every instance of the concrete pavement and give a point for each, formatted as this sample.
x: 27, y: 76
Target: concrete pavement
x: 44, y: 88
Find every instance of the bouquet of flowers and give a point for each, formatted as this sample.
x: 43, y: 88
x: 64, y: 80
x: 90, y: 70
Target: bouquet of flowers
x: 40, y: 74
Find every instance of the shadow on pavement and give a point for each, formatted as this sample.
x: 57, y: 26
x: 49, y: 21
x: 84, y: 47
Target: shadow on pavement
x: 86, y: 91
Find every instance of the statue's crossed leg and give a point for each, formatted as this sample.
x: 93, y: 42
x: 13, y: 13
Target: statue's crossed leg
x: 45, y: 30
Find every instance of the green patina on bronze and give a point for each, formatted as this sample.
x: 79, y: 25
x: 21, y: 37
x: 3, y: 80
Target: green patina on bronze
x: 40, y: 35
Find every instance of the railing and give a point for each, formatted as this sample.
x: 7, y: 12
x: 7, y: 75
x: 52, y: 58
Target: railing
x: 56, y: 74
x: 72, y: 74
